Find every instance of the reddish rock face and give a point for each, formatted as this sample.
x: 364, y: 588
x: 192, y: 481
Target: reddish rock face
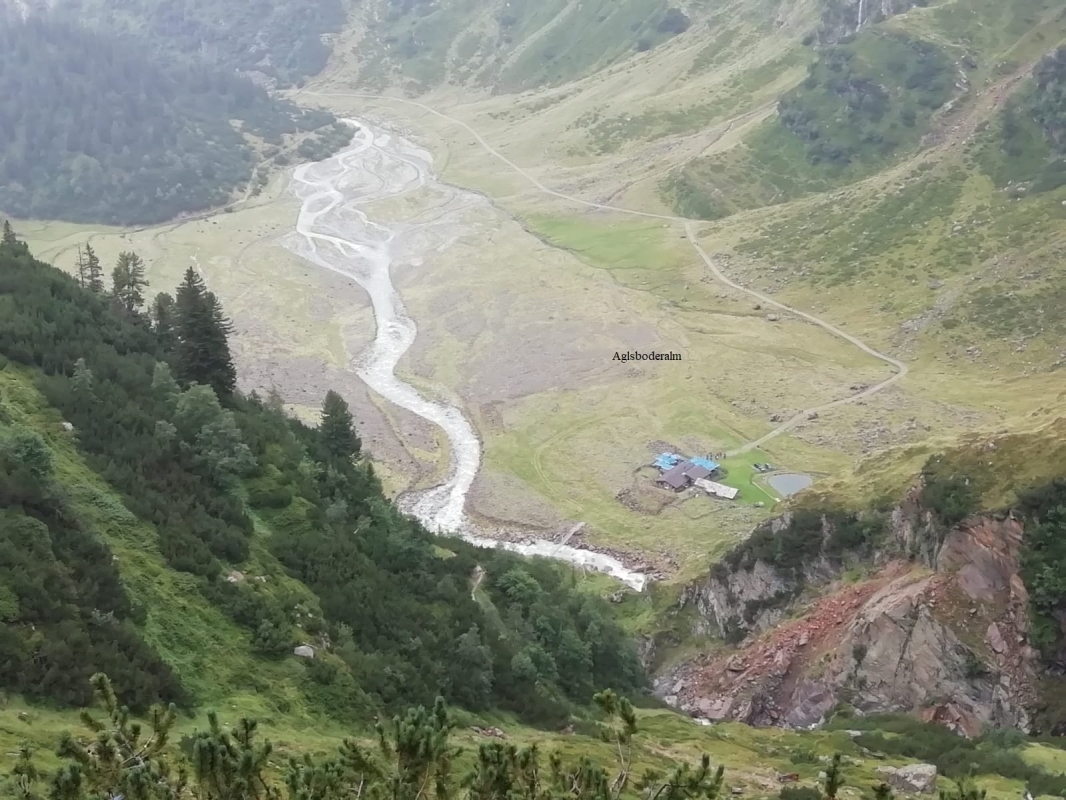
x: 983, y: 554
x: 941, y: 634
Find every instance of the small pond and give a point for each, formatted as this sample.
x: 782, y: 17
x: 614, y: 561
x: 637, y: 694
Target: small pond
x: 788, y: 483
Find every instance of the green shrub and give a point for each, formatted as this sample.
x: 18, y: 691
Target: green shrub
x: 804, y: 756
x: 952, y: 495
x: 865, y: 96
x: 1043, y: 563
x: 674, y: 21
x: 270, y: 497
x: 954, y: 756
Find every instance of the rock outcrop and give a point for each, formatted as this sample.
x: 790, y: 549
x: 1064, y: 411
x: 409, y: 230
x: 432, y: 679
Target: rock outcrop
x: 911, y: 779
x: 758, y: 597
x: 938, y: 628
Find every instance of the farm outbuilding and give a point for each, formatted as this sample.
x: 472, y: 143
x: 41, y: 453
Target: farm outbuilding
x: 717, y: 489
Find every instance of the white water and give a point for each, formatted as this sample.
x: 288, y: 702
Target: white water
x: 334, y: 232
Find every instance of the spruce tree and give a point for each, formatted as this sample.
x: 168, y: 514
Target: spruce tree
x: 203, y: 354
x: 83, y: 268
x: 81, y: 384
x: 834, y: 778
x: 9, y: 239
x: 163, y: 317
x: 93, y: 273
x: 128, y: 282
x: 337, y: 429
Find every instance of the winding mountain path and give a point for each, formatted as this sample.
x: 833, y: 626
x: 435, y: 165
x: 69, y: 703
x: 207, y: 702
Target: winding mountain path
x: 899, y: 368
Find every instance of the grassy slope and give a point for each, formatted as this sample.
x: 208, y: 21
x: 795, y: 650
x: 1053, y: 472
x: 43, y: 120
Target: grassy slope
x: 506, y: 46
x: 211, y: 654
x: 940, y: 217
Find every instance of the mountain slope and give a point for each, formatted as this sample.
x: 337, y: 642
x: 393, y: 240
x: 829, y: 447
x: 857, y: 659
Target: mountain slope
x: 276, y: 40
x: 506, y: 46
x: 101, y: 126
x: 238, y: 510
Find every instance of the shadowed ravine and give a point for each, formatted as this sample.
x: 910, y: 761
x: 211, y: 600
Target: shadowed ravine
x: 334, y: 231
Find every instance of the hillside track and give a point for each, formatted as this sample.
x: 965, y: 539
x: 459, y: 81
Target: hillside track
x: 899, y: 368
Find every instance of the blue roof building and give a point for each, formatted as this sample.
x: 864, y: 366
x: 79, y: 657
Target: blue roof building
x: 706, y: 463
x: 667, y: 460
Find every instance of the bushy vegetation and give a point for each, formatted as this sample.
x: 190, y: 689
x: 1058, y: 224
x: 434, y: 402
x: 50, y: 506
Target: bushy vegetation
x: 325, y: 142
x: 152, y: 401
x: 674, y: 21
x: 1028, y: 148
x: 809, y: 535
x: 63, y: 610
x: 1043, y: 567
x: 100, y: 129
x: 947, y: 491
x: 414, y: 760
x: 1020, y: 152
x: 864, y: 99
x: 994, y: 753
x: 1048, y: 103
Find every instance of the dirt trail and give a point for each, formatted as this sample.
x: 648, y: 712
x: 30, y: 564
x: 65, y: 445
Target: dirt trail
x: 899, y: 368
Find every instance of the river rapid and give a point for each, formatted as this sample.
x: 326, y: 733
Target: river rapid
x: 335, y: 231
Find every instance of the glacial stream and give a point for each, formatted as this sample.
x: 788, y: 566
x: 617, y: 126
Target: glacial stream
x: 334, y: 231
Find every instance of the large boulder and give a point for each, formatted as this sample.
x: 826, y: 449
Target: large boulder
x: 304, y: 651
x: 912, y: 779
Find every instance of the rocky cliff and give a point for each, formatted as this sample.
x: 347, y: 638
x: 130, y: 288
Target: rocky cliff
x: 936, y: 624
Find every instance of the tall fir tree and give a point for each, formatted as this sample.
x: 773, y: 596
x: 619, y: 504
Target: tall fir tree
x: 10, y: 242
x: 82, y: 266
x: 93, y: 273
x: 834, y: 778
x: 81, y: 384
x: 203, y: 354
x: 129, y: 282
x: 337, y: 429
x: 164, y: 321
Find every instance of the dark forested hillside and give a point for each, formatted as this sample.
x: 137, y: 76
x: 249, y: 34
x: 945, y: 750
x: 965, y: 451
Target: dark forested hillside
x: 286, y: 40
x: 96, y: 128
x: 397, y: 619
